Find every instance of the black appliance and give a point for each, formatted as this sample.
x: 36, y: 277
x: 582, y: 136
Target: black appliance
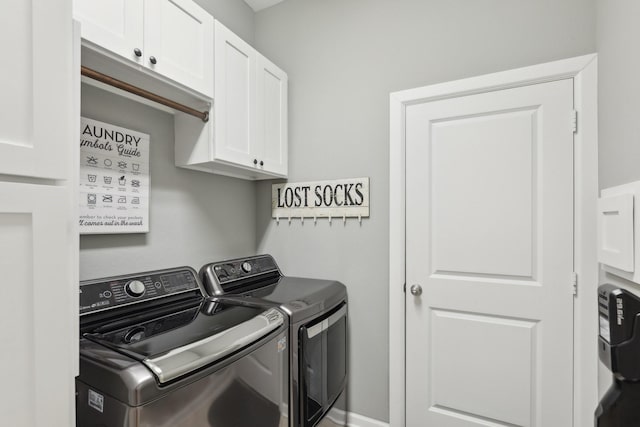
x: 317, y: 311
x: 619, y: 349
x: 155, y: 352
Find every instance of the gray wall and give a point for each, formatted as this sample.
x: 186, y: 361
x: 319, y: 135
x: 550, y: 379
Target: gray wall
x: 343, y: 58
x: 619, y: 91
x: 195, y: 217
x: 234, y: 14
x: 618, y: 40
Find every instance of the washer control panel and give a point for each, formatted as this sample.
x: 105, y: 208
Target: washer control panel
x: 104, y: 294
x: 231, y: 271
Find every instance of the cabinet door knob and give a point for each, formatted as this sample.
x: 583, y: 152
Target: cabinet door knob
x: 137, y: 52
x: 261, y: 163
x: 153, y: 60
x: 255, y: 161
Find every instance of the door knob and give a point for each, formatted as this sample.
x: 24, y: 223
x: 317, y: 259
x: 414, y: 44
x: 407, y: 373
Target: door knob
x: 416, y: 290
x: 153, y: 60
x: 137, y: 52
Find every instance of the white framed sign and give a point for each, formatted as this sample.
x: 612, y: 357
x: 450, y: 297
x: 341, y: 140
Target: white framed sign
x: 341, y: 198
x: 114, y: 179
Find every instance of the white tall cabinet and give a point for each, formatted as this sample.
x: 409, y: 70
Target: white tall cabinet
x: 38, y: 229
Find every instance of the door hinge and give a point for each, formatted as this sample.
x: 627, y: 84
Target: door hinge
x: 574, y: 121
x: 574, y: 283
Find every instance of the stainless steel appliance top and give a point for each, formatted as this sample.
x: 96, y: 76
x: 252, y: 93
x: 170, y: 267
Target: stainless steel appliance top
x: 143, y: 333
x: 259, y: 279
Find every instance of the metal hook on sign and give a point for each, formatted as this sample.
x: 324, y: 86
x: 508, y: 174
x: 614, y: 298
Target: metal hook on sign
x: 329, y: 219
x: 315, y: 220
x: 344, y: 219
x: 302, y: 220
x: 360, y: 219
x: 277, y: 220
x: 289, y: 220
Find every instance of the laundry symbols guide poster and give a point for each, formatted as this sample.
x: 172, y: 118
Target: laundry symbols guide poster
x: 114, y: 179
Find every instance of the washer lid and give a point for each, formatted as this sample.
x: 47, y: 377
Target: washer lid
x: 175, y: 344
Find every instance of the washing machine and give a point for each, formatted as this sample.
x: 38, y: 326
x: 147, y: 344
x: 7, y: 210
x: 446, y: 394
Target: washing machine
x: 154, y: 351
x: 317, y: 312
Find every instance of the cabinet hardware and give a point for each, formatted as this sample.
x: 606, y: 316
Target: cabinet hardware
x: 137, y: 52
x: 261, y: 163
x: 255, y: 161
x: 153, y: 60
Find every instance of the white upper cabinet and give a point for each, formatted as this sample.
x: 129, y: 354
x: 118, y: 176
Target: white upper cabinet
x: 178, y: 37
x: 36, y: 86
x: 235, y: 103
x: 248, y: 136
x: 271, y: 99
x: 116, y: 25
x: 174, y: 38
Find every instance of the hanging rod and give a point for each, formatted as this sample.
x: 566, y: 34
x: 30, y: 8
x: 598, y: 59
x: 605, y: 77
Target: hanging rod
x: 103, y: 78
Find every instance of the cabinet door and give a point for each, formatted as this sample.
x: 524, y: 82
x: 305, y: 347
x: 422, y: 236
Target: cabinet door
x: 235, y: 71
x: 178, y: 37
x: 271, y: 99
x: 38, y: 305
x: 36, y: 88
x: 116, y: 25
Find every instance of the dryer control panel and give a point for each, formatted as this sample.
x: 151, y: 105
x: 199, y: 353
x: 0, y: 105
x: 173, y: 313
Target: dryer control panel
x: 104, y: 294
x: 242, y: 268
x: 221, y: 277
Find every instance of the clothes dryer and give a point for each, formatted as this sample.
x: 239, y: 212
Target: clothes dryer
x: 317, y: 311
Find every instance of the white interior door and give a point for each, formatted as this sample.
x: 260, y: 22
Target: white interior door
x: 116, y: 25
x: 489, y: 232
x: 179, y: 36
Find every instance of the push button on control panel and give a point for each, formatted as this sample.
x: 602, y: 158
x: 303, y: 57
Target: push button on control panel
x: 134, y: 288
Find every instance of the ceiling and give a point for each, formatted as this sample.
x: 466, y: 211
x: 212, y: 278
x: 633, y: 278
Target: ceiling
x: 257, y: 5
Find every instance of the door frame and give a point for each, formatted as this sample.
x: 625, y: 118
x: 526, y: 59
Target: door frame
x: 583, y: 71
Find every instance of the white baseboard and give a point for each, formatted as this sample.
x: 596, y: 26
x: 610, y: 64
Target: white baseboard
x: 357, y: 420
x: 353, y: 419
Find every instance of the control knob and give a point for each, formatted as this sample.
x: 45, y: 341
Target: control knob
x: 134, y: 288
x: 246, y: 267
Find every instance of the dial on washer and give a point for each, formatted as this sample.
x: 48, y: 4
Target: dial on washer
x: 134, y: 288
x: 246, y: 267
